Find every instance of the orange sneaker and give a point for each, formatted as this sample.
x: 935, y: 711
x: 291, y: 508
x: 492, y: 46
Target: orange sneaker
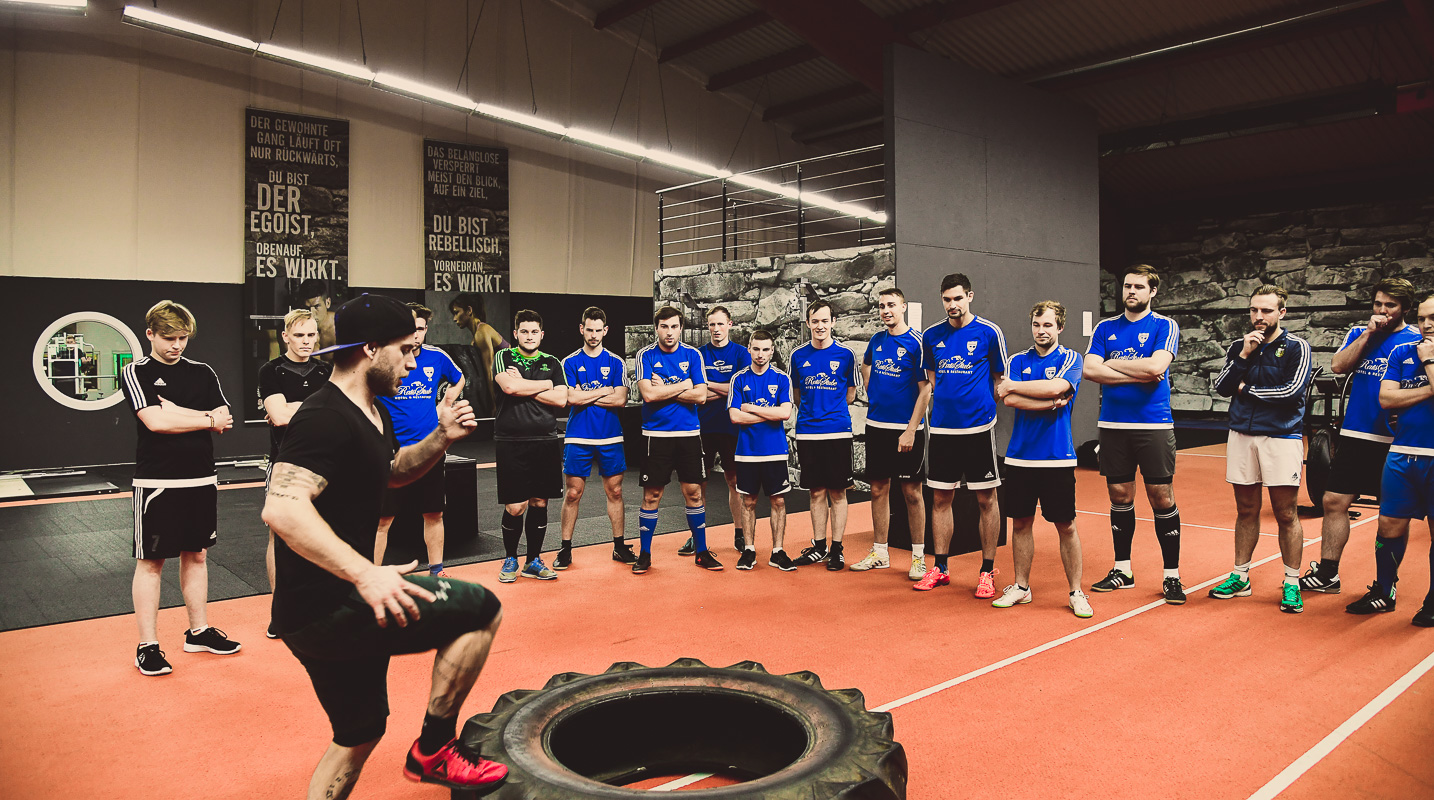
x: 986, y: 586
x: 453, y: 768
x: 934, y: 577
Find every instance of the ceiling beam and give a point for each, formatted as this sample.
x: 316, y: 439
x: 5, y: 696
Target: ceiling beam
x: 782, y: 110
x: 816, y: 135
x: 846, y: 32
x: 621, y: 11
x: 762, y: 66
x: 709, y: 37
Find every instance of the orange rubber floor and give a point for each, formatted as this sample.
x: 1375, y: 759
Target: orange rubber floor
x: 1212, y: 699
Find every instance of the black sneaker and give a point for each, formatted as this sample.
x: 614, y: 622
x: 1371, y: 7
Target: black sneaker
x: 210, y: 640
x: 835, y: 562
x: 1173, y: 591
x: 781, y: 561
x: 815, y: 554
x: 150, y: 660
x: 642, y: 563
x: 1115, y: 580
x: 739, y: 541
x: 623, y: 553
x: 1312, y: 581
x: 564, y: 559
x: 687, y: 549
x: 1375, y: 601
x: 747, y: 560
x: 272, y: 632
x: 1425, y: 617
x: 706, y: 560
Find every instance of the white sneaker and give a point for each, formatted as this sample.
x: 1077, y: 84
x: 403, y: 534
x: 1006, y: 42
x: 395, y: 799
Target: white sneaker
x: 1010, y: 596
x: 918, y: 568
x: 873, y: 560
x: 1080, y: 604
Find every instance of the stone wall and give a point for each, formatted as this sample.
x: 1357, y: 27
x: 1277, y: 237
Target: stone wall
x: 1328, y: 259
x: 768, y: 293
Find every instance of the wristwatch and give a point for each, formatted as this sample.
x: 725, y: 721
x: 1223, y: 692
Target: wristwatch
x: 1427, y: 362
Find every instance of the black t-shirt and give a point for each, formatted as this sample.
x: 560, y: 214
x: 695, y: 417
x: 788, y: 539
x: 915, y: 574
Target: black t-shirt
x: 294, y: 381
x: 526, y: 418
x: 191, y: 384
x: 333, y: 438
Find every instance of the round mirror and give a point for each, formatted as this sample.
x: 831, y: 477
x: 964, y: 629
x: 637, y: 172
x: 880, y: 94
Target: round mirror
x: 79, y: 357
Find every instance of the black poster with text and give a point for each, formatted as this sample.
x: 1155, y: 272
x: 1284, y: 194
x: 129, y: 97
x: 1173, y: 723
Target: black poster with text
x: 296, y: 231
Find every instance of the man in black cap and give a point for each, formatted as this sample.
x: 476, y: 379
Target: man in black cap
x: 340, y: 614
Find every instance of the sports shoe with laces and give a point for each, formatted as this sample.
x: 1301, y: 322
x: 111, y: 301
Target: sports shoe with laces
x: 1312, y: 581
x: 1115, y: 579
x: 918, y: 568
x: 873, y: 560
x: 1375, y: 601
x: 1080, y: 606
x: 451, y: 766
x: 210, y: 640
x: 687, y: 549
x: 835, y: 560
x: 1010, y: 596
x: 642, y: 564
x: 564, y: 558
x: 747, y: 560
x: 781, y: 561
x: 1425, y: 617
x: 706, y: 560
x: 986, y: 584
x: 934, y: 577
x: 815, y: 554
x: 537, y: 569
x: 623, y: 553
x: 150, y: 660
x: 271, y: 632
x: 1173, y: 591
x: 509, y: 571
x: 1290, y: 600
x: 1233, y: 586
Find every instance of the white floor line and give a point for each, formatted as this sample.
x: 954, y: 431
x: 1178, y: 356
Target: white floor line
x: 678, y: 783
x: 1326, y: 745
x: 1198, y: 455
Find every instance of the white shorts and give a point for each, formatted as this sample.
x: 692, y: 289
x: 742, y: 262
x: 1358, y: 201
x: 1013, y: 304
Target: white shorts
x: 1263, y: 459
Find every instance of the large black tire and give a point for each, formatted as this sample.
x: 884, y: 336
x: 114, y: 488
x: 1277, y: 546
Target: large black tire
x: 584, y: 736
x: 1318, y: 459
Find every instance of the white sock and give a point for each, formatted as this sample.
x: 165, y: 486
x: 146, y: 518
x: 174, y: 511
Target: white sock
x: 1292, y: 576
x: 1243, y: 570
x: 1172, y: 573
x: 776, y: 550
x: 918, y: 551
x: 147, y: 644
x: 751, y: 547
x: 198, y: 631
x: 879, y: 547
x: 1124, y: 566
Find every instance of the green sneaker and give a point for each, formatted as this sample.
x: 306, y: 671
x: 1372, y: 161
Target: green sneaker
x: 1234, y: 586
x: 1290, y: 600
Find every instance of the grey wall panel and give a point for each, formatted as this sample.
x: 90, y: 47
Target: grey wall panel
x: 943, y: 193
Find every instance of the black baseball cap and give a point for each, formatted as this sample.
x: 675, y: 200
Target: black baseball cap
x: 370, y: 318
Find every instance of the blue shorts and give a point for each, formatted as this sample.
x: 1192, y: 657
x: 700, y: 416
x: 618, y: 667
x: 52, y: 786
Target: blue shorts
x: 756, y: 477
x: 578, y: 459
x: 1407, y: 487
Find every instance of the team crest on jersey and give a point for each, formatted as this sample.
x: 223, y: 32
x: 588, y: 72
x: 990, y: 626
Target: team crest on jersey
x: 836, y: 365
x: 970, y: 348
x: 605, y: 371
x: 1050, y: 372
x: 900, y: 352
x: 684, y: 366
x: 1142, y: 337
x: 428, y: 373
x: 1280, y: 352
x: 772, y: 390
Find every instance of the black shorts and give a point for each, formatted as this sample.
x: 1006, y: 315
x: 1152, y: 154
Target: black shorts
x: 825, y: 463
x: 719, y: 445
x: 529, y: 469
x: 663, y: 454
x: 169, y: 520
x: 1123, y: 450
x: 1053, y: 487
x: 755, y: 477
x: 424, y: 495
x: 346, y: 652
x: 1358, y: 465
x: 963, y: 459
x: 884, y: 459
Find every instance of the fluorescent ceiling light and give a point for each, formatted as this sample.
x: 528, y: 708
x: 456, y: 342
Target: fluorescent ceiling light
x: 686, y: 164
x: 423, y: 91
x: 147, y: 18
x: 766, y: 186
x: 322, y: 63
x: 519, y: 118
x: 608, y: 142
x: 68, y: 6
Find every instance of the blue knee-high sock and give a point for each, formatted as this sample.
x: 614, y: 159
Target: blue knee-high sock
x: 697, y: 521
x: 1387, y: 555
x: 646, y: 526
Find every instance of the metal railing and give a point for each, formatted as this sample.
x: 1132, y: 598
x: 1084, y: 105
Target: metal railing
x: 821, y: 203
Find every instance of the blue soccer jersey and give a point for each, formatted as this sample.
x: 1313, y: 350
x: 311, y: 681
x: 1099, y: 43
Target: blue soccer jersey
x: 1135, y: 405
x: 591, y: 423
x: 720, y: 363
x: 1363, y: 418
x: 415, y: 408
x: 822, y: 378
x: 761, y: 441
x: 965, y: 361
x: 896, y: 373
x: 1414, y: 426
x: 670, y: 417
x: 1043, y: 438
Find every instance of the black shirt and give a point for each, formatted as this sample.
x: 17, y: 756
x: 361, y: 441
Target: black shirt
x: 526, y: 418
x: 191, y: 384
x: 294, y: 381
x: 333, y: 438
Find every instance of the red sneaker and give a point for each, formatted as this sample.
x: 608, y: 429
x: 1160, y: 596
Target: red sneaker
x: 933, y: 578
x: 986, y: 585
x: 451, y: 767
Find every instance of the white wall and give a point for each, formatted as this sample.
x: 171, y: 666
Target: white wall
x: 121, y: 149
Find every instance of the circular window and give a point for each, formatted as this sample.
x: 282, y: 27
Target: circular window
x: 79, y: 356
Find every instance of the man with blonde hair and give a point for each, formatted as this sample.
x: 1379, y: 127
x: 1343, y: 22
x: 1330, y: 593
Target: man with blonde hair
x: 177, y: 403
